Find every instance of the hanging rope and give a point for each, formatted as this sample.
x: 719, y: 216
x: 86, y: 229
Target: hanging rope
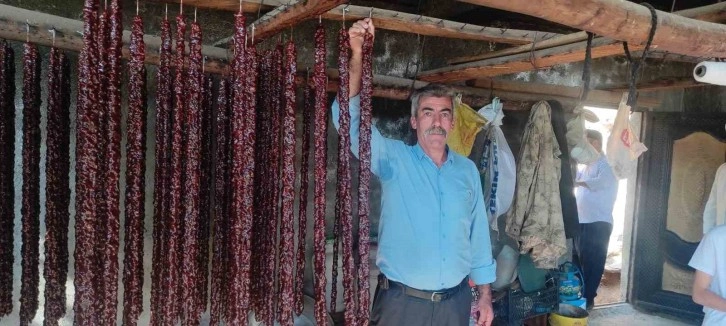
x: 587, y: 68
x: 636, y: 64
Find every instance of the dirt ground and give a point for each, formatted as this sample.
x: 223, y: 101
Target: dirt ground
x: 609, y: 290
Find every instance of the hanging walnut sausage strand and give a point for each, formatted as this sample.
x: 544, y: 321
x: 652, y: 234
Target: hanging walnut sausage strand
x: 172, y: 301
x: 249, y: 169
x: 365, y: 177
x: 192, y: 174
x: 239, y: 260
x: 308, y: 106
x: 55, y: 268
x: 220, y: 255
x: 287, y: 251
x: 87, y: 169
x: 163, y: 149
x: 260, y: 261
x: 113, y: 166
x: 30, y: 209
x: 7, y: 188
x: 273, y: 255
x: 135, y: 168
x: 321, y: 131
x: 344, y: 183
x: 205, y: 191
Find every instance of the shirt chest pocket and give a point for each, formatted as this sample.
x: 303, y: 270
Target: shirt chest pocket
x: 458, y: 204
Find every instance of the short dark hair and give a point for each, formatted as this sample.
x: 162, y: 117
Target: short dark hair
x: 431, y: 90
x: 594, y: 134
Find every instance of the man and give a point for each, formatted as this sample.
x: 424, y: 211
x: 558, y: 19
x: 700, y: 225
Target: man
x: 433, y: 231
x: 597, y: 188
x: 709, y: 285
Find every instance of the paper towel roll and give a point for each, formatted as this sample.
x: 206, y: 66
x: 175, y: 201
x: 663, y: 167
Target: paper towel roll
x: 710, y: 72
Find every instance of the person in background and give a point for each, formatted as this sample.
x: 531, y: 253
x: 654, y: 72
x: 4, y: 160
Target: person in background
x: 596, y: 190
x: 709, y: 285
x: 433, y: 231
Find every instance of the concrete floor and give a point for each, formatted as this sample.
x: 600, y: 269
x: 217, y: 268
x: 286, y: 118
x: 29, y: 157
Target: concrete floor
x: 625, y: 314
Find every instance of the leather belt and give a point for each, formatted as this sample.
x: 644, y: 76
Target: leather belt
x: 433, y: 296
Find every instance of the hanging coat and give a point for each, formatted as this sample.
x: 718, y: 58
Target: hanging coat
x: 535, y: 219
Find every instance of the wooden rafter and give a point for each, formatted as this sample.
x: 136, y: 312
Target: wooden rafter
x: 626, y: 21
x: 660, y: 84
x: 540, y: 59
x: 715, y: 13
x: 286, y: 15
x: 570, y: 94
x: 251, y: 6
x: 419, y: 24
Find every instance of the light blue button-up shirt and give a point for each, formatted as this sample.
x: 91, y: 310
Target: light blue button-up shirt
x: 433, y: 229
x: 596, y: 201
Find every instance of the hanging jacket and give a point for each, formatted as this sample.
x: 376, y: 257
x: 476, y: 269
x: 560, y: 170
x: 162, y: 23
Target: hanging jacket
x: 535, y: 219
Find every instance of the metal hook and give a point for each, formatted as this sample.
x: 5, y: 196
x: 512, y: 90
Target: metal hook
x: 52, y: 32
x: 137, y: 7
x: 240, y: 6
x: 320, y: 19
x: 181, y: 7
x: 370, y: 13
x: 27, y: 30
x: 253, y: 33
x: 195, y: 14
x: 166, y: 11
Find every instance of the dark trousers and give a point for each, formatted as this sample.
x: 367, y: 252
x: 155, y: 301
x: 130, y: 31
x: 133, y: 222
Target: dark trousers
x: 591, y: 247
x: 393, y: 306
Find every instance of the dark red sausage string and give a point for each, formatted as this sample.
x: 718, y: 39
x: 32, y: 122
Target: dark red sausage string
x: 87, y: 170
x: 320, y: 138
x: 161, y: 181
x: 55, y: 269
x: 364, y: 178
x: 173, y: 298
x: 7, y: 162
x: 133, y: 276
x: 30, y: 209
x: 344, y: 201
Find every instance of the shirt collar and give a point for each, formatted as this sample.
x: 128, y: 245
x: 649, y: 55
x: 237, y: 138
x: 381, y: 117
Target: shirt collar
x: 421, y: 154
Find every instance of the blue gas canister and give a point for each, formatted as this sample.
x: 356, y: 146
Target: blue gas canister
x: 570, y: 282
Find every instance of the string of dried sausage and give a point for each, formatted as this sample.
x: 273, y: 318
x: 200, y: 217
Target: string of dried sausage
x: 320, y: 138
x: 30, y: 209
x: 55, y: 269
x: 364, y: 178
x: 7, y: 188
x: 135, y: 169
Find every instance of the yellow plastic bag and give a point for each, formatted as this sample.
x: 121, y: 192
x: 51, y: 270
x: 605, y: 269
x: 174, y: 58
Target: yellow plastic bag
x: 467, y: 123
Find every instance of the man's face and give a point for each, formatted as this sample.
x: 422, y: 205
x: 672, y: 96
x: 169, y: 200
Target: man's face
x: 433, y: 121
x: 595, y: 143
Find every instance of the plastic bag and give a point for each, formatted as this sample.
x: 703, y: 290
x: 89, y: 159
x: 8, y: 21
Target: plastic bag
x: 467, y: 124
x: 623, y: 145
x: 582, y: 151
x: 498, y: 169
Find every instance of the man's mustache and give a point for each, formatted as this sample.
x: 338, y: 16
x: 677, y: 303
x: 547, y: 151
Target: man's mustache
x: 435, y: 131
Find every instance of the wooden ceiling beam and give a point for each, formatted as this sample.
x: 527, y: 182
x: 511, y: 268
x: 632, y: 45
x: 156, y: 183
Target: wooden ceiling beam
x: 251, y: 6
x: 715, y: 13
x: 626, y: 21
x: 567, y: 94
x: 601, y: 47
x: 286, y: 16
x: 430, y: 26
x: 660, y: 84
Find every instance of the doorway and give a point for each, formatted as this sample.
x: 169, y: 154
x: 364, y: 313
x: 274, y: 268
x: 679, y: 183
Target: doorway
x: 614, y: 284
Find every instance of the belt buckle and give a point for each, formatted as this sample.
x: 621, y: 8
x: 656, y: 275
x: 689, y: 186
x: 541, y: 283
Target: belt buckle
x: 435, y: 298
